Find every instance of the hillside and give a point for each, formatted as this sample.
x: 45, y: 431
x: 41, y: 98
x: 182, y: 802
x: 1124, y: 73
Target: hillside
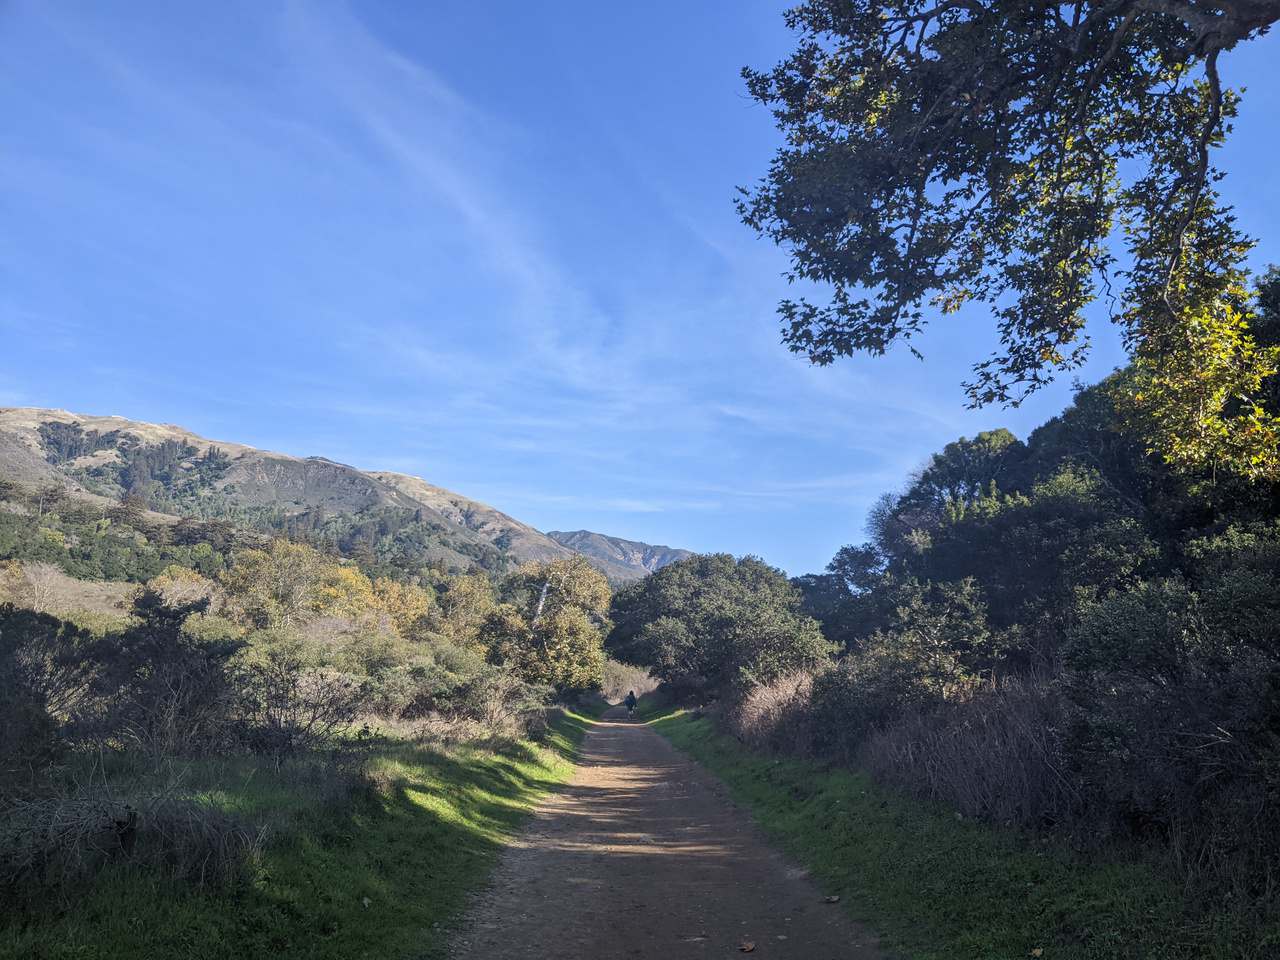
x: 630, y: 558
x: 507, y: 534
x: 387, y: 519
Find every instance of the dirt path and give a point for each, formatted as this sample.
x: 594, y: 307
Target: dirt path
x: 643, y: 855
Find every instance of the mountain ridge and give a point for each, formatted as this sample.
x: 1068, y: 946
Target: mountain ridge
x: 632, y: 554
x: 383, y: 515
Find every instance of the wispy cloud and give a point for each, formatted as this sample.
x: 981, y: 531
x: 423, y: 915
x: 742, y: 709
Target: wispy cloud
x: 330, y: 243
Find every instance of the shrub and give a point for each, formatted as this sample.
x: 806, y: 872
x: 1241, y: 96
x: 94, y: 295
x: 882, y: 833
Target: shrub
x: 1176, y: 730
x: 438, y: 678
x: 871, y: 689
x: 161, y: 688
x: 623, y: 678
x: 777, y: 715
x: 996, y: 755
x: 183, y: 587
x: 48, y: 844
x: 289, y: 705
x: 502, y: 703
x: 28, y: 739
x: 46, y: 673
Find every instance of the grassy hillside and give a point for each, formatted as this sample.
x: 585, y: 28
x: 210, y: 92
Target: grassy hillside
x: 173, y: 471
x: 379, y: 874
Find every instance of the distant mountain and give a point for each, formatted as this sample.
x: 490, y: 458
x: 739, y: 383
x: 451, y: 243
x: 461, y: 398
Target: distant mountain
x: 618, y: 558
x: 509, y: 535
x: 399, y: 520
x: 387, y: 519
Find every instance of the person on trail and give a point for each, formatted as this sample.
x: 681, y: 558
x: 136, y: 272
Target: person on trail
x: 631, y: 702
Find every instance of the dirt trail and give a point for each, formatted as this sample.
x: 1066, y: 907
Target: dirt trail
x: 643, y: 855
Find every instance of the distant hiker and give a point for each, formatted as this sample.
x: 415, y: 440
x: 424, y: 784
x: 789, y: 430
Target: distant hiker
x: 631, y: 702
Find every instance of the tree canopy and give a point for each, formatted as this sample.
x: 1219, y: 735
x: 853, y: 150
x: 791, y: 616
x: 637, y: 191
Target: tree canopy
x: 550, y: 631
x: 709, y: 622
x: 944, y: 152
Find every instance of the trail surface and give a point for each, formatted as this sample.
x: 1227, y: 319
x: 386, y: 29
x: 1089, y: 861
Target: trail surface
x: 643, y: 855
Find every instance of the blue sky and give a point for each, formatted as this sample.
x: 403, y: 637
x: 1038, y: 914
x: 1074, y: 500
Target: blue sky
x: 492, y: 245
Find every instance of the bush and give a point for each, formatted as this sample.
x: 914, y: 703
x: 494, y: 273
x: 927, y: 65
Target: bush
x: 168, y: 692
x: 29, y: 743
x: 866, y: 692
x: 288, y: 705
x: 623, y: 678
x: 777, y: 715
x: 997, y: 755
x: 1176, y: 731
x: 46, y: 673
x: 502, y: 703
x: 49, y: 844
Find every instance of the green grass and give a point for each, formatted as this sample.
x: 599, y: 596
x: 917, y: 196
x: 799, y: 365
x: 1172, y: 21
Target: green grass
x: 654, y: 704
x: 592, y: 705
x: 382, y: 877
x: 938, y: 888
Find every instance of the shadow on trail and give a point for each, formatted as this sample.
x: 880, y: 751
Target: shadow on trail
x: 643, y: 855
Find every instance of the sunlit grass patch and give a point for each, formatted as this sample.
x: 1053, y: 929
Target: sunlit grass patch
x: 381, y: 876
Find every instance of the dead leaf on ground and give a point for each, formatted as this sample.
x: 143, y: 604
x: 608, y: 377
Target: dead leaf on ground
x: 747, y: 946
x: 1038, y: 952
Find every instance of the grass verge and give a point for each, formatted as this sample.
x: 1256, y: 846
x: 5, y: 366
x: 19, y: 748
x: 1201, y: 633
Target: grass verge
x: 938, y: 888
x: 382, y: 877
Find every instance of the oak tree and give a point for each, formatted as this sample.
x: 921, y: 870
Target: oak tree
x: 944, y: 152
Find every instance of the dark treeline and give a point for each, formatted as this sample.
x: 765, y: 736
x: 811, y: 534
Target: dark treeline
x: 1064, y: 633
x: 1060, y: 634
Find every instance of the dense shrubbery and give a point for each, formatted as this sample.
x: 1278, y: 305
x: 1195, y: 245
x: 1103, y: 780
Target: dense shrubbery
x: 1060, y: 634
x: 1066, y: 634
x: 276, y: 659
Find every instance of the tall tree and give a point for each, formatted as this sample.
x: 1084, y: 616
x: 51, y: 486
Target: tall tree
x: 940, y: 152
x: 552, y: 631
x: 709, y: 622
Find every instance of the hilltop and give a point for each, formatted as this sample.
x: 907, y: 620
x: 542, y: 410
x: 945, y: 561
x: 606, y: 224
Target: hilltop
x: 616, y: 557
x: 399, y: 520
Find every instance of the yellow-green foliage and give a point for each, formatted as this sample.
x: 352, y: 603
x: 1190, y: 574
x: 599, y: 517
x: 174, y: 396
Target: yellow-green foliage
x: 330, y: 607
x: 410, y: 650
x: 551, y: 632
x: 410, y: 607
x: 464, y: 604
x: 1198, y: 388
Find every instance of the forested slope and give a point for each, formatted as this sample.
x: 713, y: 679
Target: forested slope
x: 392, y: 523
x: 1062, y: 635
